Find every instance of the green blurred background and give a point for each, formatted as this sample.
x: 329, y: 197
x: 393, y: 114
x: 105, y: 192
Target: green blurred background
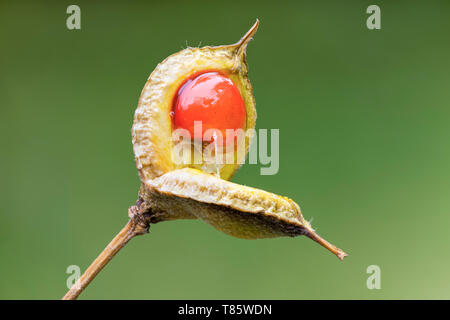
x: 364, y: 148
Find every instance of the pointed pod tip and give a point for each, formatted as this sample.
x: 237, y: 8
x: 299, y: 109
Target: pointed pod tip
x: 310, y: 233
x: 341, y: 254
x: 242, y: 44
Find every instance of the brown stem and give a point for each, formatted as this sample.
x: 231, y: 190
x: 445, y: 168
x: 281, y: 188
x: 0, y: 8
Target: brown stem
x: 137, y: 225
x: 314, y: 236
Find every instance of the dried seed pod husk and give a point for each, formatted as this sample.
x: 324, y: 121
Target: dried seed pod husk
x: 188, y: 191
x: 234, y: 209
x: 152, y: 128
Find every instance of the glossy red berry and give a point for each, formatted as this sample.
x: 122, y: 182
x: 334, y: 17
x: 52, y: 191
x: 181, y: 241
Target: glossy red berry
x: 213, y: 99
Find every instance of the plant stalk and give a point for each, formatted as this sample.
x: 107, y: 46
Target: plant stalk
x: 137, y: 225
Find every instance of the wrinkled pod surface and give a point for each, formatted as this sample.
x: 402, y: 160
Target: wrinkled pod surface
x: 200, y: 190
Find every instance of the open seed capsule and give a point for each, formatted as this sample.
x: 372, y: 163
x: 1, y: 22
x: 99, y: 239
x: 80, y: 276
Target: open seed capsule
x: 152, y: 131
x: 188, y: 190
x: 209, y: 84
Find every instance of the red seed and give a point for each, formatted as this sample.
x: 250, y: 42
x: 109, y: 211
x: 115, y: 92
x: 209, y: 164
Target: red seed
x: 213, y: 99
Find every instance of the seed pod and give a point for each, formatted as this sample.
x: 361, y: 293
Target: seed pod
x: 188, y: 191
x: 236, y: 210
x: 152, y: 129
x: 172, y: 190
